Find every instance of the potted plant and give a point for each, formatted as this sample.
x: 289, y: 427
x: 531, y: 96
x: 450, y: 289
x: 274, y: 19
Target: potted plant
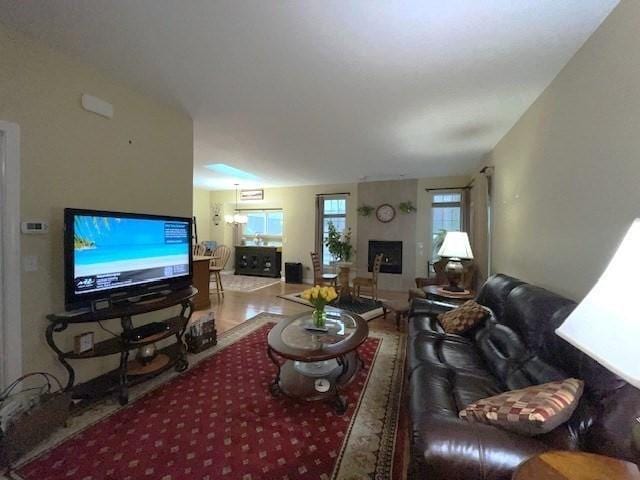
x: 407, y: 207
x: 365, y: 210
x: 339, y: 244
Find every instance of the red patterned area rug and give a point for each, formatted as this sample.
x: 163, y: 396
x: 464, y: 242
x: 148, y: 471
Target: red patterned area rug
x: 219, y: 421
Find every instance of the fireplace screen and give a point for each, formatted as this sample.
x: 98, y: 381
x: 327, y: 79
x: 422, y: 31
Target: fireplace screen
x: 391, y: 255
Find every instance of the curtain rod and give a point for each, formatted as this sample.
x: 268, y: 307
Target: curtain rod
x: 257, y: 209
x: 331, y: 194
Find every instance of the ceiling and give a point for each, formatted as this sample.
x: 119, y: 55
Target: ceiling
x: 297, y: 92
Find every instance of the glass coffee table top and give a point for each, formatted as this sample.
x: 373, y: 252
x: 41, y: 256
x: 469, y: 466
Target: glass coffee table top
x: 315, y: 365
x: 340, y: 327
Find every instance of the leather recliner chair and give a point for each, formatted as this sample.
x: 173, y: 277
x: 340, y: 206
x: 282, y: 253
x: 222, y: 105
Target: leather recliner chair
x: 514, y: 348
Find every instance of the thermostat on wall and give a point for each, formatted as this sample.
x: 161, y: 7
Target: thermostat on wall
x: 34, y: 226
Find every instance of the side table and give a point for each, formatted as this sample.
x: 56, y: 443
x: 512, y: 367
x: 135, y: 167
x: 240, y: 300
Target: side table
x: 565, y: 465
x: 436, y: 292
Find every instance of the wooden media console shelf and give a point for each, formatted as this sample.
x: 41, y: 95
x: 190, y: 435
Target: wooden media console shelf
x: 120, y: 379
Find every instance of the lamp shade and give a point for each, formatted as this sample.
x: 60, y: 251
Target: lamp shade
x: 456, y: 245
x: 606, y: 324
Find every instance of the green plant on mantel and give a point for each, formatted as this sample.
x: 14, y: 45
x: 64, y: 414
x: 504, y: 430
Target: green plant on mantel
x: 365, y: 210
x: 339, y: 244
x: 407, y: 207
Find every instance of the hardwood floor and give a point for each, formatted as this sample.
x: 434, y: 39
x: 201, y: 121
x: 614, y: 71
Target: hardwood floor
x: 237, y: 307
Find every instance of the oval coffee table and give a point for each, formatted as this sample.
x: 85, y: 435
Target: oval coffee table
x: 317, y: 365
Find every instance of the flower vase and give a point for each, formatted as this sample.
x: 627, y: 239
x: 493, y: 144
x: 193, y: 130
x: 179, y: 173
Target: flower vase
x: 319, y: 318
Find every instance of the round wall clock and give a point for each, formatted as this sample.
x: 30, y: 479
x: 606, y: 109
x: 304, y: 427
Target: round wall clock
x: 385, y: 213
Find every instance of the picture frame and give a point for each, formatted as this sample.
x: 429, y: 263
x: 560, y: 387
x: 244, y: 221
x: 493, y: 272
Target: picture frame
x: 251, y: 195
x: 83, y: 343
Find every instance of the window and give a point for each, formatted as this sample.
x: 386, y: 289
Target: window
x: 268, y: 224
x: 333, y: 210
x: 446, y: 211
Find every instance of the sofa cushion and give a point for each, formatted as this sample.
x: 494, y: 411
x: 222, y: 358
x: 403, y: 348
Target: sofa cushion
x: 529, y: 310
x: 529, y: 411
x: 438, y: 390
x: 495, y: 291
x: 464, y: 318
x: 429, y: 324
x: 447, y: 448
x: 454, y: 355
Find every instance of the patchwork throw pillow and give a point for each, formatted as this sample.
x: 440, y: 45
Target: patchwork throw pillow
x: 463, y: 318
x: 529, y: 411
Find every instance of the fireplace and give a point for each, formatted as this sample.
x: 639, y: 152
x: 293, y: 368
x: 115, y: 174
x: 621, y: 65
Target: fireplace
x: 391, y: 255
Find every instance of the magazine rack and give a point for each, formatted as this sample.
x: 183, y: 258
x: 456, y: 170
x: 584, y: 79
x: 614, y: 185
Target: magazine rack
x: 119, y: 380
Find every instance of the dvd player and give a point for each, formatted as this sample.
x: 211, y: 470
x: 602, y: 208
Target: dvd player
x: 145, y: 331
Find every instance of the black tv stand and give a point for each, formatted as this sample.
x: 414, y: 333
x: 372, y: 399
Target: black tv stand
x: 119, y: 380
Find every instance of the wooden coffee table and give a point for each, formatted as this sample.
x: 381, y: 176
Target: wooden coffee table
x: 317, y: 365
x: 564, y: 465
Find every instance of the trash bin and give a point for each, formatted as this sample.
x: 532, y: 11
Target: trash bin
x: 293, y: 272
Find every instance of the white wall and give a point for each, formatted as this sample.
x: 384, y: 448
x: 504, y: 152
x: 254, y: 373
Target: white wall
x: 567, y: 176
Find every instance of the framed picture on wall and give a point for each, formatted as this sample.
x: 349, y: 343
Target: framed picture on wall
x: 251, y: 195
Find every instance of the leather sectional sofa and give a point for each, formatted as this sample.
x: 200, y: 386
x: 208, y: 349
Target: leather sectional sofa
x: 514, y: 348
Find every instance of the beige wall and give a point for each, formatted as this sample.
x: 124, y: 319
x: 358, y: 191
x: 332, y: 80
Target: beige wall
x: 299, y: 211
x: 567, y: 176
x: 140, y: 161
x: 401, y: 228
x: 202, y: 212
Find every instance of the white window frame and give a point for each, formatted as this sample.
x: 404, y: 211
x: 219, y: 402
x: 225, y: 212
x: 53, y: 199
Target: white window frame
x: 265, y: 237
x: 433, y: 204
x: 10, y: 288
x: 327, y: 261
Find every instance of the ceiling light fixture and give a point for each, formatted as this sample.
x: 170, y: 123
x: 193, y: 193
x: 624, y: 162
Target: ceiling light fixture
x: 237, y: 218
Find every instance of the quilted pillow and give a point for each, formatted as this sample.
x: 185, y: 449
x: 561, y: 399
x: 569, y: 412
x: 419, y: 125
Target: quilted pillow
x: 463, y: 318
x: 529, y: 411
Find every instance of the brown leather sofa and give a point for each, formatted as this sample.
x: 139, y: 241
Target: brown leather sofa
x: 514, y: 348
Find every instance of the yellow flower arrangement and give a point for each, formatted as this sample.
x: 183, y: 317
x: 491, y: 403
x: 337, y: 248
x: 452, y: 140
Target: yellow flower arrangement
x: 319, y: 297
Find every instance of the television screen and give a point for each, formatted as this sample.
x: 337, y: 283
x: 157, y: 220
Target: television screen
x: 118, y: 251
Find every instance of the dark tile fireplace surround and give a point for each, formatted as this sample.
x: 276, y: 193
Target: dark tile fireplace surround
x: 391, y: 255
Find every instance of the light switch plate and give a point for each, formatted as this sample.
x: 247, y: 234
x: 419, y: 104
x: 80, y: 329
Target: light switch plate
x: 30, y: 263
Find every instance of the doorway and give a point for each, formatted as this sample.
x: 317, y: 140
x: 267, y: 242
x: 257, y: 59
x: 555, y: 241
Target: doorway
x: 10, y: 298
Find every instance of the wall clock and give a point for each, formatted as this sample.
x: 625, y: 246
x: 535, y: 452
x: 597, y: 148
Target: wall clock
x: 385, y: 213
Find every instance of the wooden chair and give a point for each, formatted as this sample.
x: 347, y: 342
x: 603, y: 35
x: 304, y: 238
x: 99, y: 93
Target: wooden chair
x: 320, y: 278
x: 199, y: 250
x: 217, y: 263
x: 369, y: 282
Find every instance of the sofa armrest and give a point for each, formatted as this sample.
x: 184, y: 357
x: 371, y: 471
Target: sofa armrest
x: 453, y: 449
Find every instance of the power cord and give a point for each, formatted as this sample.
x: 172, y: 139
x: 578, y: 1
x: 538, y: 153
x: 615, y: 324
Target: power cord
x: 107, y: 330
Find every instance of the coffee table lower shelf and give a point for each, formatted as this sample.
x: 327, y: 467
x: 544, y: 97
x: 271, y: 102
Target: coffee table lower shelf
x: 291, y: 383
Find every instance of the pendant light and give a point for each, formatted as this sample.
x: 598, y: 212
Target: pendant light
x: 237, y: 218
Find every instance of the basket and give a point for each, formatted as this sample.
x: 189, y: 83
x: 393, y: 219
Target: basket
x: 201, y: 336
x: 27, y: 429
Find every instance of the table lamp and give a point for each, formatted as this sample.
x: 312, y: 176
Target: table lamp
x: 606, y: 324
x: 455, y: 247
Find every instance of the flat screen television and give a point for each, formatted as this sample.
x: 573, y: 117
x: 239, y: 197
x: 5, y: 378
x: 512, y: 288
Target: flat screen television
x: 118, y: 255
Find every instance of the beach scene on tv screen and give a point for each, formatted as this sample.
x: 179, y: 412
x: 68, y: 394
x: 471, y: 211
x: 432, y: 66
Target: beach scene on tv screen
x: 111, y: 252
